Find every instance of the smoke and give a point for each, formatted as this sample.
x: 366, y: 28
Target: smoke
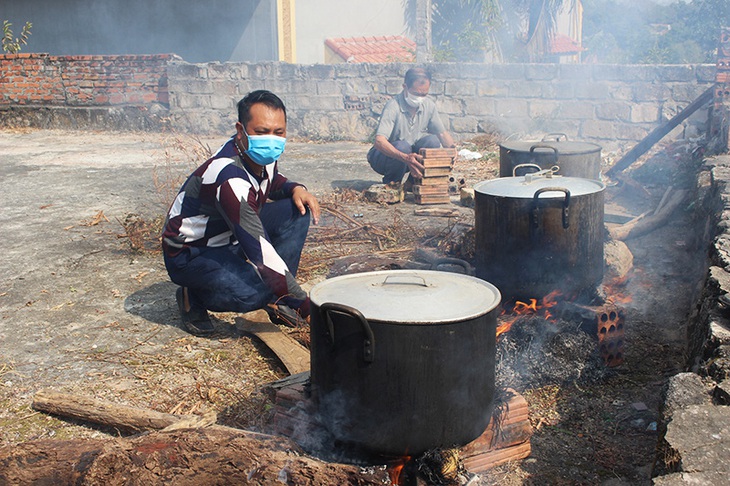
x: 536, y: 352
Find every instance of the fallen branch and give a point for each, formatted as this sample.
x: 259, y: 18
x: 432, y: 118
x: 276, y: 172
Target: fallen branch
x: 104, y: 413
x: 647, y: 223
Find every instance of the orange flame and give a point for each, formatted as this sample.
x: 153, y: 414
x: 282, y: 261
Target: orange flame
x: 395, y: 470
x: 615, y: 291
x: 533, y: 308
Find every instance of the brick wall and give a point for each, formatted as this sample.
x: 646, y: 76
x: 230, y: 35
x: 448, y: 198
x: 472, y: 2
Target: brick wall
x: 83, y: 91
x: 607, y: 104
x: 41, y: 79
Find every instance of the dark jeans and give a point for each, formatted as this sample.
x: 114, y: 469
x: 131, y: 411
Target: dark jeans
x: 393, y: 170
x: 220, y: 279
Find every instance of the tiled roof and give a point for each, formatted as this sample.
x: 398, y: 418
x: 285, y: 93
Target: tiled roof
x: 378, y: 49
x: 562, y: 44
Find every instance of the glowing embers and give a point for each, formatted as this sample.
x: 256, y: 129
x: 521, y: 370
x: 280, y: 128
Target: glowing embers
x: 610, y: 330
x: 535, y: 307
x: 605, y: 323
x: 396, y: 470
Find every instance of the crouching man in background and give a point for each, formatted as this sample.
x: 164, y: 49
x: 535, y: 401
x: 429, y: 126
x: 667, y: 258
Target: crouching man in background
x: 410, y: 122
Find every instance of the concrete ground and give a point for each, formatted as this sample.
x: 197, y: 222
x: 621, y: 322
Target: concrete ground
x: 61, y: 260
x: 79, y: 310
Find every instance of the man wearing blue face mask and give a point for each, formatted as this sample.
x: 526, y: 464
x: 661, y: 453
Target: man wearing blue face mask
x: 409, y: 123
x: 235, y: 232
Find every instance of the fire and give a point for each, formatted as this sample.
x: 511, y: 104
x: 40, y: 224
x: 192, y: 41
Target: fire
x: 615, y: 291
x: 395, y: 470
x: 528, y: 309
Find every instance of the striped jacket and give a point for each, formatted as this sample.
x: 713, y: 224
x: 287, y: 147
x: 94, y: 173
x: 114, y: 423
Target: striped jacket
x: 219, y: 205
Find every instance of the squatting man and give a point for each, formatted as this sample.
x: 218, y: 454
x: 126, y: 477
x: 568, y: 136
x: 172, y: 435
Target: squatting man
x: 410, y: 122
x: 234, y: 234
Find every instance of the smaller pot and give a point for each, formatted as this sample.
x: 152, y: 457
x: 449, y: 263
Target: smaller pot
x: 539, y: 233
x: 574, y: 159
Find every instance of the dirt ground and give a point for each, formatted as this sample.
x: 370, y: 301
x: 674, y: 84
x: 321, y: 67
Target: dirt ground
x: 86, y: 306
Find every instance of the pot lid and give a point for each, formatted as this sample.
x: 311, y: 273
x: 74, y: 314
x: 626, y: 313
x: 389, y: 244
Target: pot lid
x: 526, y: 186
x: 410, y: 296
x: 564, y: 147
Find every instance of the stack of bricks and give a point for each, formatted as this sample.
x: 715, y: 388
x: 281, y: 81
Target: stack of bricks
x: 433, y: 188
x: 506, y: 438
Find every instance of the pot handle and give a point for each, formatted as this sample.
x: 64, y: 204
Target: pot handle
x: 457, y: 262
x: 545, y: 146
x: 405, y: 279
x: 368, y: 343
x: 536, y: 205
x: 555, y: 136
x: 523, y: 166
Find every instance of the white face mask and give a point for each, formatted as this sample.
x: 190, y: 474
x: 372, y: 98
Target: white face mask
x: 414, y: 101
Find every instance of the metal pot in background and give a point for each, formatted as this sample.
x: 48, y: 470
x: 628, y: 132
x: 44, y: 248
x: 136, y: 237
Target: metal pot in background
x: 575, y: 159
x: 402, y: 361
x: 539, y: 233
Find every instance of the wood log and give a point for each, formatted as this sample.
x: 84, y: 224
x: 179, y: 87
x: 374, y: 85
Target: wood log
x: 437, y: 212
x: 658, y: 133
x: 104, y: 413
x: 199, y: 456
x: 648, y: 223
x: 123, y: 417
x: 292, y: 355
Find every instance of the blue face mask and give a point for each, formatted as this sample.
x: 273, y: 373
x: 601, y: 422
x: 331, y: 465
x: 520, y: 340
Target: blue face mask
x: 265, y: 149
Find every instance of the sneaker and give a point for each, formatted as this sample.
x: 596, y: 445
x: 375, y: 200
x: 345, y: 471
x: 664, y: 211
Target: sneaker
x: 195, y: 321
x: 285, y: 315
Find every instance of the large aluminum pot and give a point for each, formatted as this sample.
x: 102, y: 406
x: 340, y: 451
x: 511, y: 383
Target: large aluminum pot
x: 539, y: 233
x: 403, y: 360
x: 575, y: 159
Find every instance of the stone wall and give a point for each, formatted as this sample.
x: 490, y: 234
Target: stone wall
x: 603, y: 103
x: 695, y: 418
x: 607, y: 104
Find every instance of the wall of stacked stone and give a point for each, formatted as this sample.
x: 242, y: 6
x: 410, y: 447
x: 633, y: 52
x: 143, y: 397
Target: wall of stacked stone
x: 604, y: 103
x: 607, y: 104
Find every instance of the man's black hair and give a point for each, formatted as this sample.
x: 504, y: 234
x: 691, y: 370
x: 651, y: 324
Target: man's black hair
x: 416, y: 74
x: 259, y: 96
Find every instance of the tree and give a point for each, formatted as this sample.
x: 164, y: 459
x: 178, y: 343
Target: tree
x: 641, y: 31
x: 490, y: 30
x: 12, y: 45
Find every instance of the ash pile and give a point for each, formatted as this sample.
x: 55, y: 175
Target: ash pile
x: 537, y: 352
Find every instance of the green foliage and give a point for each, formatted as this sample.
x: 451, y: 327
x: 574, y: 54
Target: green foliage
x: 641, y: 31
x: 489, y: 30
x: 11, y: 44
x: 464, y: 30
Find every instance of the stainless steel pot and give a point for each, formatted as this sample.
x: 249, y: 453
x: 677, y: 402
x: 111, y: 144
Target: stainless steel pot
x: 539, y: 233
x: 575, y: 159
x: 403, y: 360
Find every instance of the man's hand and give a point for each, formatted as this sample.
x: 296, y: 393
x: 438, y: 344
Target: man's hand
x: 415, y: 164
x: 303, y: 199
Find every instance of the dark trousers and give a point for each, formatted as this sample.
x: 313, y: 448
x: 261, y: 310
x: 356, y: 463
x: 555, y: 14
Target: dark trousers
x: 393, y: 170
x: 220, y: 279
